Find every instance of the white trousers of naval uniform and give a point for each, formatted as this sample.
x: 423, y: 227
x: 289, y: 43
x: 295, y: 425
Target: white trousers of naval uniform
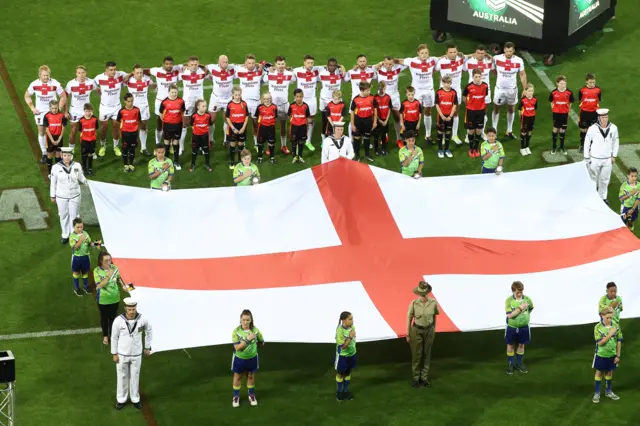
x: 68, y: 209
x: 600, y: 172
x: 128, y: 372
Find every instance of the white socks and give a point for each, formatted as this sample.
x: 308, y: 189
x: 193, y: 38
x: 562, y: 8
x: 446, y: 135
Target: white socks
x: 397, y: 126
x: 494, y: 119
x: 255, y: 140
x: 115, y: 143
x: 225, y: 128
x: 212, y: 130
x: 183, y: 135
x: 484, y: 126
x: 511, y: 116
x: 42, y: 141
x: 456, y: 122
x: 427, y: 125
x: 103, y: 142
x: 159, y: 137
x: 143, y: 139
x: 283, y: 141
x: 309, y: 132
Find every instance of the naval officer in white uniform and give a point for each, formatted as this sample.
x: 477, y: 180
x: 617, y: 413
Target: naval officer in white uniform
x: 601, y: 146
x: 337, y: 145
x: 66, y: 177
x: 126, y: 348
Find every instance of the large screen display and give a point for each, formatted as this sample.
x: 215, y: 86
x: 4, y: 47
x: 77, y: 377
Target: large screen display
x: 583, y: 11
x: 522, y: 17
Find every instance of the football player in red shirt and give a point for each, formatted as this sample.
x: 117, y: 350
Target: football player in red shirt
x: 589, y: 96
x: 237, y: 117
x: 364, y: 120
x: 129, y: 120
x: 300, y: 117
x: 88, y: 126
x: 410, y: 113
x: 446, y: 104
x: 265, y: 116
x: 384, y: 110
x: 54, y: 122
x: 172, y: 109
x: 474, y: 96
x: 561, y: 100
x: 528, y: 107
x: 200, y: 123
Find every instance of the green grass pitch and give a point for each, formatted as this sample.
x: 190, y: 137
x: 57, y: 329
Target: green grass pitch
x: 70, y: 380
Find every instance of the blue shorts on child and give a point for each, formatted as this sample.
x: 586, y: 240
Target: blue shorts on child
x: 240, y: 366
x: 514, y: 335
x: 632, y: 218
x: 604, y: 364
x: 80, y: 264
x: 345, y: 363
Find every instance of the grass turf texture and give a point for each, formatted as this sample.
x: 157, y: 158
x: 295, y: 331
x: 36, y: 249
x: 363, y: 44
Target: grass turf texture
x: 71, y: 381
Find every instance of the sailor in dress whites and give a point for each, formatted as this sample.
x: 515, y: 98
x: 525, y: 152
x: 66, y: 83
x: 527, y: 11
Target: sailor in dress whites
x: 66, y: 177
x: 601, y: 146
x: 126, y: 348
x: 337, y: 145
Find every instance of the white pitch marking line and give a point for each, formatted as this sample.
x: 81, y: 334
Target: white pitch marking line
x: 54, y: 333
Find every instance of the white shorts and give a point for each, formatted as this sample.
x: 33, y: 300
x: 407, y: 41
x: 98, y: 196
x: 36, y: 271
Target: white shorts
x: 487, y: 100
x: 395, y: 101
x: 324, y: 103
x: 313, y: 105
x: 144, y: 112
x: 426, y: 97
x: 252, y: 106
x: 39, y: 118
x: 189, y: 107
x: 218, y: 104
x: 459, y: 94
x: 157, y: 111
x: 75, y: 114
x: 505, y: 96
x: 108, y: 112
x: 283, y: 109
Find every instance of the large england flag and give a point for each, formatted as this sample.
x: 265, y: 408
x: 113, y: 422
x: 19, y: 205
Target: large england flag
x: 345, y: 236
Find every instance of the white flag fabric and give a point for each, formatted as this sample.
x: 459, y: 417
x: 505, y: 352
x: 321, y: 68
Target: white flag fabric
x: 345, y: 236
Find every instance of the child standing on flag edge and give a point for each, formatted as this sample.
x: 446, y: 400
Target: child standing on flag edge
x: 245, y: 339
x: 518, y: 308
x: 608, y: 337
x: 630, y: 198
x: 345, y: 355
x: 492, y: 153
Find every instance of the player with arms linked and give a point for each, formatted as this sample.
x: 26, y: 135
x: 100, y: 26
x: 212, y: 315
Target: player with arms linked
x: 245, y: 339
x: 518, y: 308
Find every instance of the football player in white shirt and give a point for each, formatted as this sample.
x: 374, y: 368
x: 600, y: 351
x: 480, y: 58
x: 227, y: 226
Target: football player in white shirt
x: 361, y: 72
x: 331, y: 80
x: 79, y: 93
x: 138, y: 85
x: 250, y: 76
x: 421, y: 68
x: 390, y: 73
x: 109, y: 85
x: 452, y: 65
x: 483, y: 61
x: 307, y: 77
x: 222, y: 75
x: 166, y: 76
x: 279, y: 78
x: 507, y: 66
x: 46, y: 90
x: 192, y: 77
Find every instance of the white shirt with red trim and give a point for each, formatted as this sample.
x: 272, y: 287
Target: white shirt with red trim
x: 507, y: 70
x: 250, y: 82
x: 222, y: 80
x: 421, y: 72
x: 164, y: 79
x: 193, y: 84
x: 390, y: 77
x: 79, y: 93
x: 452, y: 68
x: 486, y: 65
x: 279, y: 85
x: 356, y: 76
x: 329, y: 81
x: 139, y: 89
x: 308, y: 80
x: 45, y: 93
x: 110, y: 87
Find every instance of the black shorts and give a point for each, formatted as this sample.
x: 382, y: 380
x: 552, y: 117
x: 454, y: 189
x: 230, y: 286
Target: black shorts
x: 51, y: 148
x: 381, y: 129
x: 267, y: 134
x: 236, y: 137
x: 413, y: 126
x: 444, y: 126
x: 298, y: 133
x: 527, y: 124
x: 171, y: 132
x: 363, y: 126
x: 588, y: 118
x: 129, y: 139
x: 474, y: 119
x: 199, y: 141
x: 560, y: 120
x: 88, y: 147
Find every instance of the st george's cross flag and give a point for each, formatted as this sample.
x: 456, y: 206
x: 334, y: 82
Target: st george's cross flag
x: 345, y: 236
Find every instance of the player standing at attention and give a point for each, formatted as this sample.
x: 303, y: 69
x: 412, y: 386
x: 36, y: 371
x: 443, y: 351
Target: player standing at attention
x: 222, y: 75
x: 421, y: 68
x: 307, y: 77
x: 364, y: 120
x: 265, y: 115
x: 475, y: 95
x: 200, y: 123
x: 389, y: 73
x: 80, y: 242
x: 492, y: 153
x: 608, y: 337
x: 452, y: 65
x: 250, y: 76
x: 410, y: 113
x: 612, y: 300
x: 589, y: 96
x: 54, y: 122
x: 383, y: 109
x: 138, y: 85
x: 330, y: 80
x: 518, y: 308
x: 172, y: 110
x: 300, y: 116
x: 345, y: 355
x: 166, y: 76
x: 193, y: 87
x: 237, y: 117
x: 528, y: 107
x: 446, y: 105
x: 630, y: 198
x: 561, y: 99
x: 333, y: 112
x: 129, y: 120
x: 507, y: 66
x: 245, y: 339
x: 245, y: 169
x: 88, y: 126
x: 161, y: 169
x: 360, y: 73
x: 279, y: 78
x: 109, y: 85
x: 484, y: 62
x: 46, y: 90
x: 411, y: 156
x: 78, y: 91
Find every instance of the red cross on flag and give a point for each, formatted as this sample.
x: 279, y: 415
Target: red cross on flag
x: 359, y: 238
